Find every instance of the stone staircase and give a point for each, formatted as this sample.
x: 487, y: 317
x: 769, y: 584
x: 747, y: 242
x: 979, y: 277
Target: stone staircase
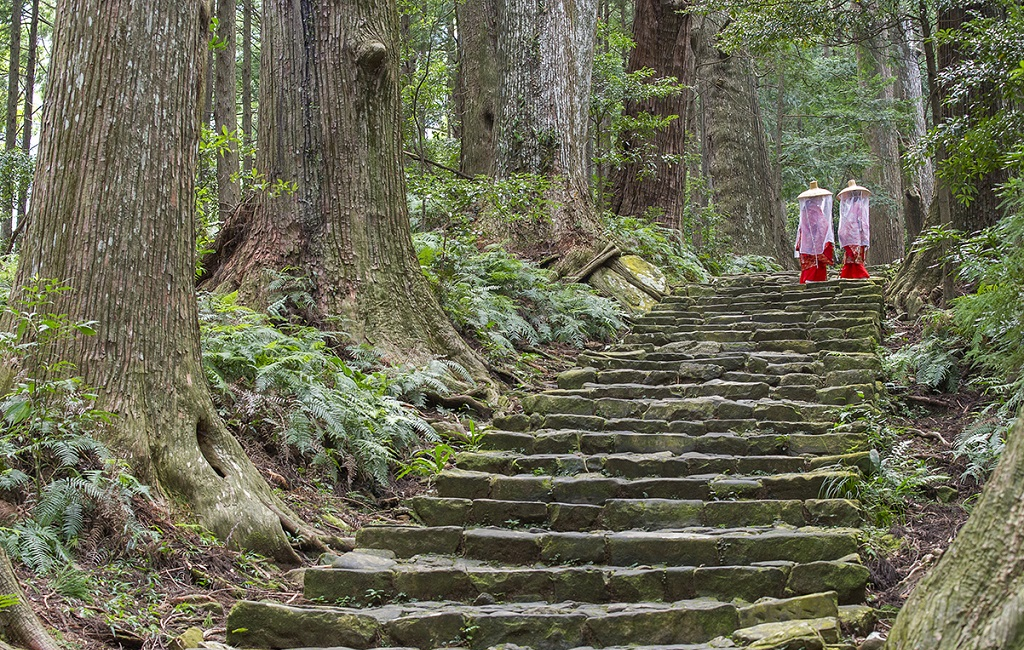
x: 676, y: 491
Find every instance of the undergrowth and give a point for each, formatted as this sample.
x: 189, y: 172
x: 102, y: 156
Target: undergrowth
x: 288, y: 383
x: 57, y: 480
x: 508, y: 304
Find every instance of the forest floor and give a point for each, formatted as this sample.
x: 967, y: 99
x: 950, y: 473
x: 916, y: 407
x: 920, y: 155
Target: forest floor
x: 148, y: 596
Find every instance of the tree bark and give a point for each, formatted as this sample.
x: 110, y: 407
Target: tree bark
x: 19, y: 623
x: 11, y: 125
x: 225, y: 110
x: 974, y: 597
x: 29, y: 110
x: 113, y: 214
x: 330, y: 123
x: 547, y: 57
x: 477, y: 84
x: 247, y: 134
x: 885, y: 176
x: 735, y: 150
x: 664, y: 43
x: 918, y: 183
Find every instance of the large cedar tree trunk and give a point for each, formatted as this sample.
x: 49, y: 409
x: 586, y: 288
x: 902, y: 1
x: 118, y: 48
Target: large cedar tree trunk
x: 477, y: 84
x: 547, y: 58
x: 28, y: 113
x: 247, y: 135
x: 113, y: 215
x: 735, y: 150
x: 885, y: 175
x: 225, y: 111
x: 330, y: 124
x: 664, y: 43
x: 974, y: 597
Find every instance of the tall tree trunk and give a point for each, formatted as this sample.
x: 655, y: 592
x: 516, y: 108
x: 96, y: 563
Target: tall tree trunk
x: 247, y: 134
x: 974, y: 597
x: 11, y: 125
x: 29, y: 110
x: 925, y: 277
x: 225, y: 109
x: 885, y: 175
x: 547, y: 58
x: 918, y: 183
x: 330, y: 123
x: 477, y: 84
x: 664, y: 43
x: 119, y: 226
x: 735, y: 150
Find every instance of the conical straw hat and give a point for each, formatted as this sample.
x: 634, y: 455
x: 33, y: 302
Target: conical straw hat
x: 814, y: 191
x: 853, y: 187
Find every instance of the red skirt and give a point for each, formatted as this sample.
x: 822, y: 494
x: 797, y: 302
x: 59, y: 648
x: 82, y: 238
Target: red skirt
x: 853, y: 263
x: 815, y: 267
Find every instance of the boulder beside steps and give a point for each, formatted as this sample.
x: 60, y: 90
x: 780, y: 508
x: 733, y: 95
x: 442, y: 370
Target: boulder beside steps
x: 685, y: 489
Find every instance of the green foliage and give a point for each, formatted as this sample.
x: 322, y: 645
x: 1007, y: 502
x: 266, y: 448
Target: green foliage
x: 660, y: 246
x: 51, y: 463
x: 509, y: 304
x: 985, y: 87
x: 898, y: 478
x: 625, y: 139
x: 934, y: 362
x: 288, y: 382
x: 743, y: 264
x: 428, y: 70
x: 428, y: 462
x: 981, y: 445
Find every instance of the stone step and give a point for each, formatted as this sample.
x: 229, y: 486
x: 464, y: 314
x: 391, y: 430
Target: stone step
x: 637, y: 465
x: 596, y: 489
x: 545, y: 626
x: 360, y: 578
x: 741, y: 386
x: 537, y: 421
x: 568, y: 441
x: 711, y: 407
x: 694, y: 546
x: 735, y: 342
x: 629, y: 514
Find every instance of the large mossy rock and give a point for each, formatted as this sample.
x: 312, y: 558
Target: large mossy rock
x: 642, y: 274
x: 613, y: 285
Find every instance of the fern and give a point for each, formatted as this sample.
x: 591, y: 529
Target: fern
x: 288, y: 382
x: 508, y: 304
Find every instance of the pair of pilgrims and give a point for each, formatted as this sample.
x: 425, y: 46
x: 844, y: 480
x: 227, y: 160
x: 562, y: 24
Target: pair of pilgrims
x: 815, y: 238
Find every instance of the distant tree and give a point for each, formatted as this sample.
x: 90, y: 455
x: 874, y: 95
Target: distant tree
x: 225, y: 105
x: 330, y: 138
x: 734, y: 148
x: 546, y: 55
x: 477, y: 84
x: 664, y: 44
x: 11, y: 124
x: 113, y: 214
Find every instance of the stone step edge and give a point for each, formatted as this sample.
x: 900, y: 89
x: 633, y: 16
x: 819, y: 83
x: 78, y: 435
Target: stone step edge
x: 564, y: 626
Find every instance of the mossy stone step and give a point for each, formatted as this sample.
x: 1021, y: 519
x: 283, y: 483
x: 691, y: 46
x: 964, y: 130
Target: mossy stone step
x: 563, y: 626
x: 435, y: 578
x: 596, y: 489
x: 711, y: 407
x: 629, y: 514
x: 635, y: 465
x: 676, y: 547
x: 569, y: 441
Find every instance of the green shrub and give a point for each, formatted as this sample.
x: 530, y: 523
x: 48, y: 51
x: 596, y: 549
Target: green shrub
x: 509, y: 304
x: 659, y: 246
x: 52, y: 465
x: 743, y: 264
x: 288, y: 381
